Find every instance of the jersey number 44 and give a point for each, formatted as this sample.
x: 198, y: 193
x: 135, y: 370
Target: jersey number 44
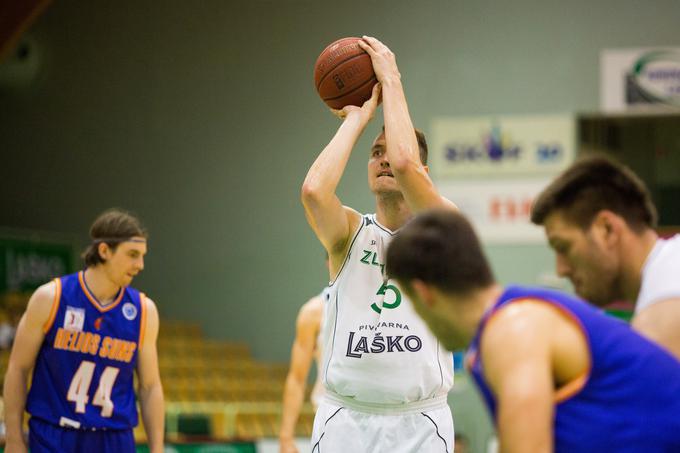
x: 79, y: 390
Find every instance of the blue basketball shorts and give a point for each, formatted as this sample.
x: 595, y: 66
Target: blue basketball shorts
x: 45, y: 437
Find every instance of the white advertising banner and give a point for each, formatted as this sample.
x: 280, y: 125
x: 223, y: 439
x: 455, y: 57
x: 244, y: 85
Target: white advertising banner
x: 639, y: 78
x: 499, y: 209
x: 501, y: 146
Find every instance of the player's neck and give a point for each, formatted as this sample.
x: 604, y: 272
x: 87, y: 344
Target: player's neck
x: 636, y: 250
x: 481, y: 302
x: 100, y: 285
x: 391, y: 211
x: 470, y: 310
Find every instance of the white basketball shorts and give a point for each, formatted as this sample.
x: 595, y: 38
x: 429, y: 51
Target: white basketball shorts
x: 340, y: 429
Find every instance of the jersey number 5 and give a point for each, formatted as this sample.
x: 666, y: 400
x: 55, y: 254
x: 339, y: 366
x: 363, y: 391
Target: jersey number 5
x: 80, y: 387
x: 381, y: 292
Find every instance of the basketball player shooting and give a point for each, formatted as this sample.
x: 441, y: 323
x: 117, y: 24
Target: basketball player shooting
x: 383, y: 369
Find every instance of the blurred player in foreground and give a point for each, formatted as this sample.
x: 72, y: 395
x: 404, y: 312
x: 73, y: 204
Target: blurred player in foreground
x: 556, y: 373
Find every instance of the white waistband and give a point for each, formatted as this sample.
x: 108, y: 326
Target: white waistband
x: 377, y: 408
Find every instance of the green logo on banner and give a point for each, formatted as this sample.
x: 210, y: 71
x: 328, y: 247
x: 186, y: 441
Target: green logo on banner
x: 25, y: 264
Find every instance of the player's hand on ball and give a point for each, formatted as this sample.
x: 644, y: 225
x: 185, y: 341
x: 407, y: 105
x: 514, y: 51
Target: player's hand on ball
x: 366, y: 111
x: 384, y: 61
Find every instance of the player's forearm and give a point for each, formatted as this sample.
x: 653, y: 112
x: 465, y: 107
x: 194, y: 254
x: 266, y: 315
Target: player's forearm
x: 14, y: 393
x: 325, y: 173
x: 153, y: 414
x: 293, y: 396
x: 402, y: 145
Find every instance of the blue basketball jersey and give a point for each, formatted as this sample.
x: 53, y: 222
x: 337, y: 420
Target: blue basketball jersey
x: 630, y: 399
x: 83, y: 375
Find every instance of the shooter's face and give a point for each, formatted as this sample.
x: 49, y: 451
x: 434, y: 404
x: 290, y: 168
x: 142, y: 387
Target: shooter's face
x: 380, y: 177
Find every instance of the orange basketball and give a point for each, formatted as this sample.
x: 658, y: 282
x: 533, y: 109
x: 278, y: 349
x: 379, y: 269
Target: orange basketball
x: 343, y: 74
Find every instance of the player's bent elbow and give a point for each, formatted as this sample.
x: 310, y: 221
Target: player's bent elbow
x: 403, y: 162
x: 310, y: 193
x: 448, y: 205
x: 307, y: 191
x: 148, y: 388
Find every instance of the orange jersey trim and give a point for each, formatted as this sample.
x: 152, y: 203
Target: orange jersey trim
x: 469, y: 361
x: 55, y: 306
x: 142, y: 325
x: 574, y: 386
x: 93, y: 300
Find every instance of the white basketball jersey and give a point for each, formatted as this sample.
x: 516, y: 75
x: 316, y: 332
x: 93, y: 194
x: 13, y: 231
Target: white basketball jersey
x: 660, y: 273
x: 377, y: 349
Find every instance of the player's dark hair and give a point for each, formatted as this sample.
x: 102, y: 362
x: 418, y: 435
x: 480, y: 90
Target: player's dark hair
x: 422, y: 144
x: 593, y: 184
x: 440, y: 248
x: 111, y: 227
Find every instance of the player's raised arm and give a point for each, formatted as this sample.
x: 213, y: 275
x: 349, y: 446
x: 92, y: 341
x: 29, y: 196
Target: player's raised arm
x: 29, y: 337
x: 401, y: 143
x: 517, y: 363
x: 330, y: 220
x: 150, y: 388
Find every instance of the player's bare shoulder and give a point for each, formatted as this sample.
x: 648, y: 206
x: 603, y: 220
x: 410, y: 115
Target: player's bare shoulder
x: 42, y: 301
x: 311, y: 312
x: 150, y: 306
x: 354, y: 219
x: 338, y: 253
x: 518, y: 323
x: 151, y: 318
x: 353, y: 216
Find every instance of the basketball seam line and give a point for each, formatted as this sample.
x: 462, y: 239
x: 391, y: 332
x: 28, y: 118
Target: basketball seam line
x: 350, y: 92
x: 339, y: 63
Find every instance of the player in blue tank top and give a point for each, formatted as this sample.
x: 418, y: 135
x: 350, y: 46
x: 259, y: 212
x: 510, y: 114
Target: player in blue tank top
x: 556, y: 373
x: 84, y: 335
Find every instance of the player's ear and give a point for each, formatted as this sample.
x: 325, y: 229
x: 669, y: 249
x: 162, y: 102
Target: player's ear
x: 423, y: 292
x: 609, y: 226
x: 104, y: 250
x: 427, y: 169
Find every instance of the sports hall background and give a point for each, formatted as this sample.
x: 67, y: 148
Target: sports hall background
x: 202, y: 118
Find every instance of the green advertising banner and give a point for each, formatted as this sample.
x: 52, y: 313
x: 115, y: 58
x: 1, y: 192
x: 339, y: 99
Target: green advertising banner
x: 212, y: 447
x: 26, y: 264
